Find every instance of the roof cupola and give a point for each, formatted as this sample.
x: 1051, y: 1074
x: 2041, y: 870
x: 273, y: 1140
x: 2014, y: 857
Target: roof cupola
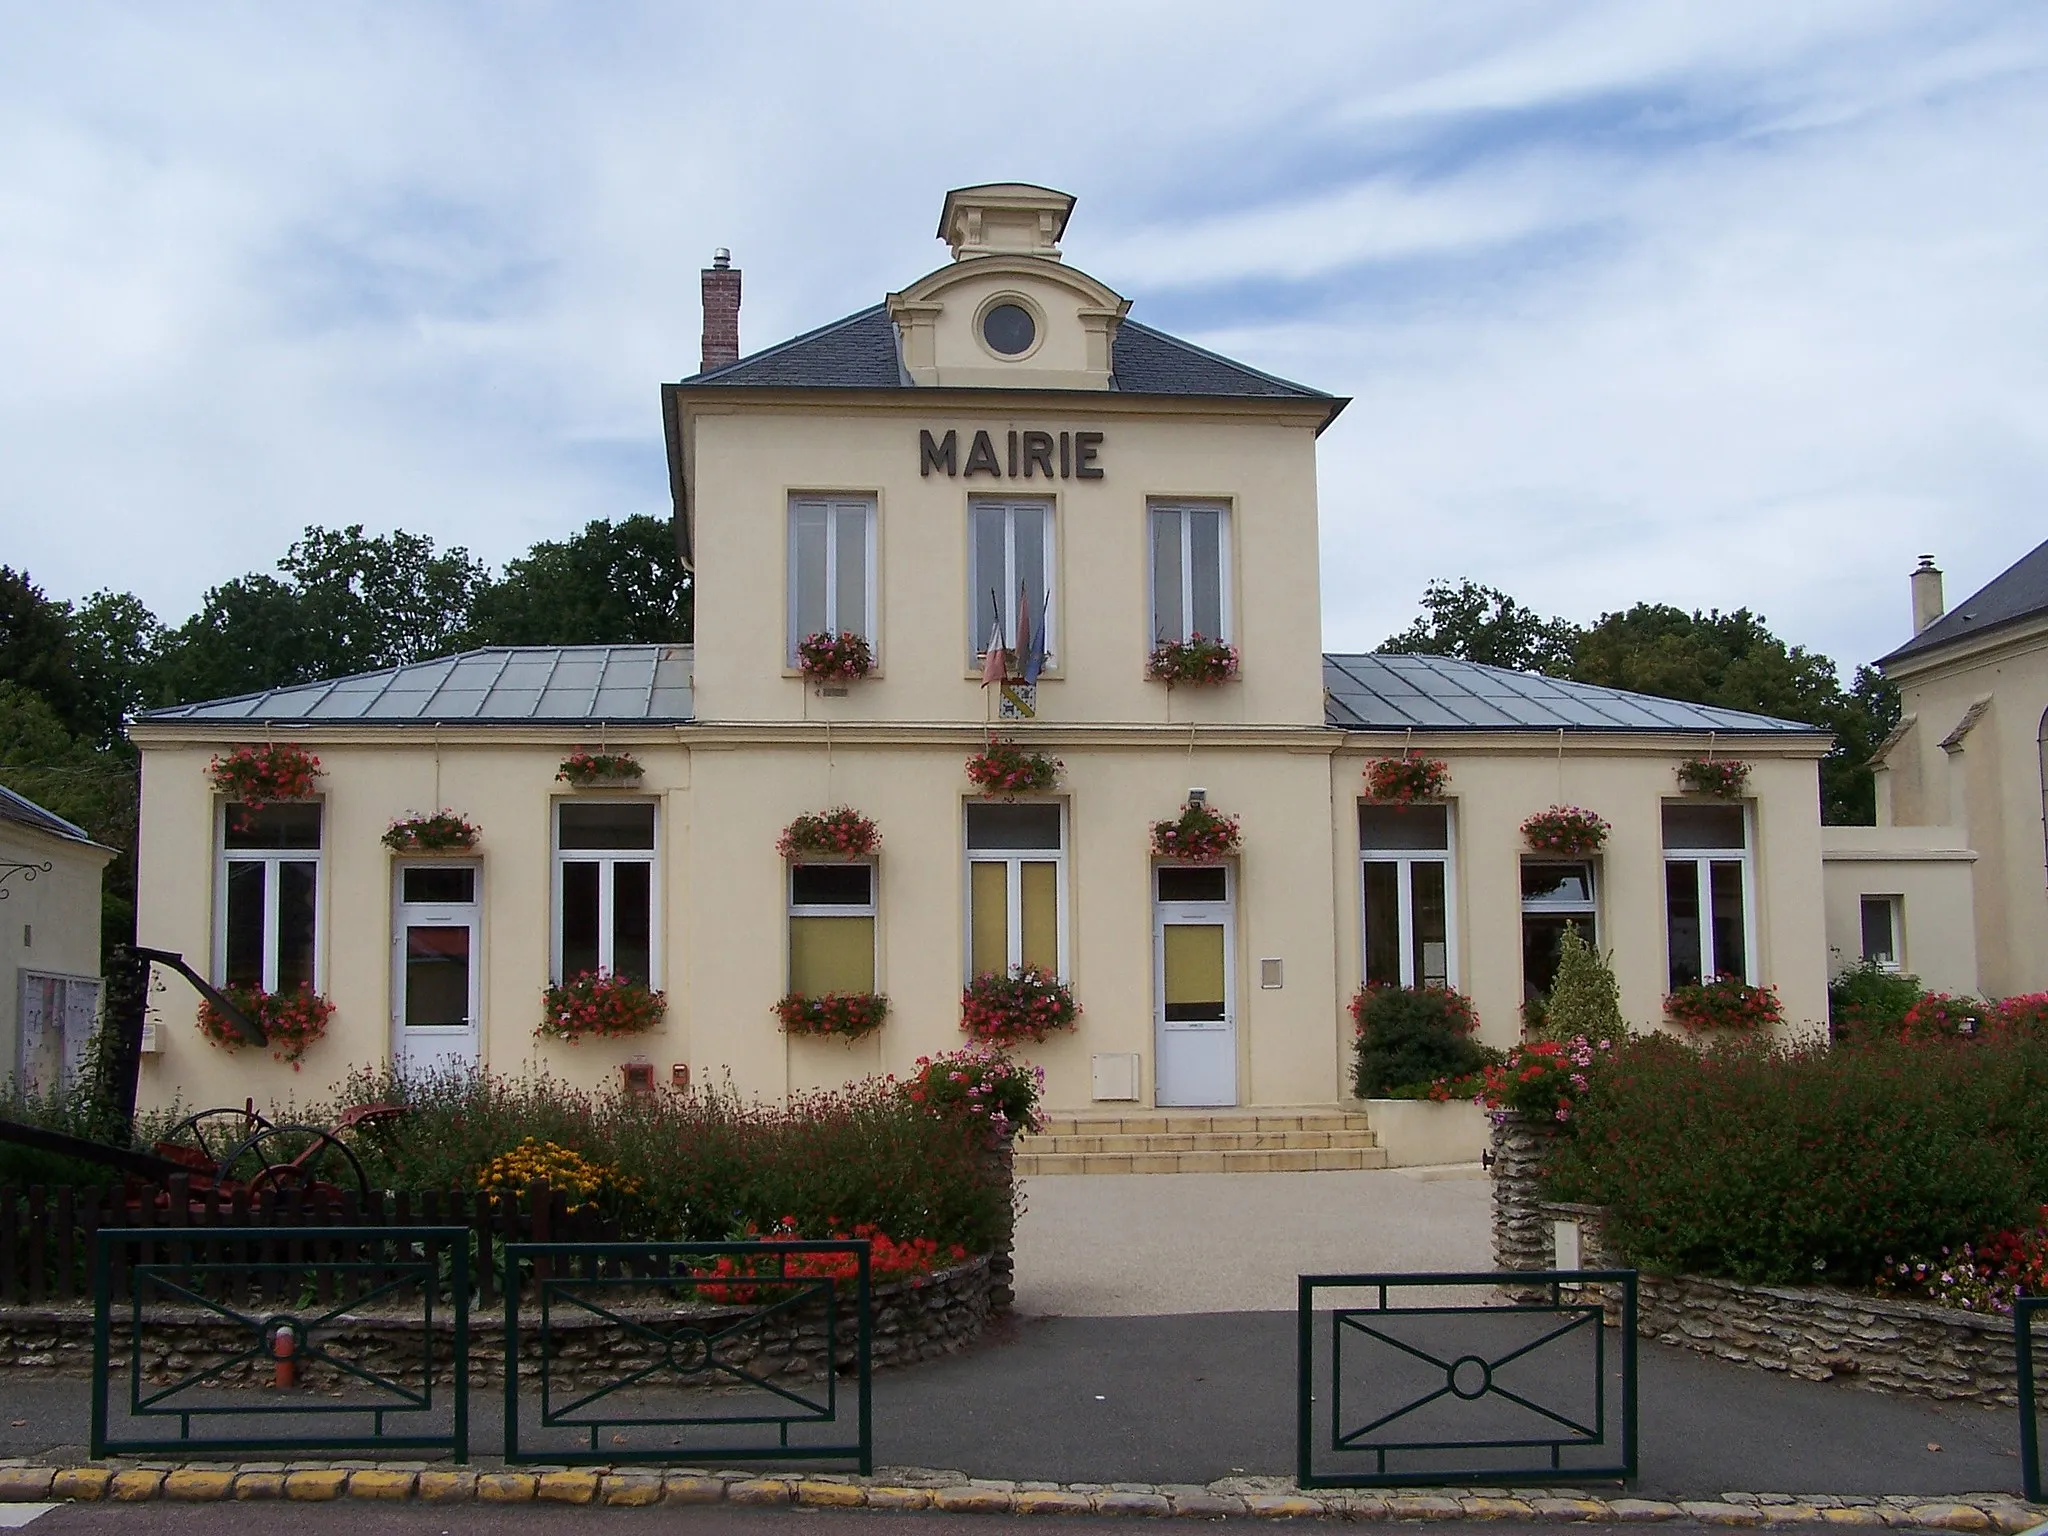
x: 1005, y: 218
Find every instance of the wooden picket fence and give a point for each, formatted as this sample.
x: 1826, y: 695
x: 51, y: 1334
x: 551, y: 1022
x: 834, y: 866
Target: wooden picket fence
x: 47, y: 1233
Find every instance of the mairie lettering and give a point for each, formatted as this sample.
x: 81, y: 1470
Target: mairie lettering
x: 1023, y: 456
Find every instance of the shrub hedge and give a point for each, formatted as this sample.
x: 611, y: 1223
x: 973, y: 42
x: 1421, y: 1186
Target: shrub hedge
x: 1809, y: 1164
x: 1409, y: 1036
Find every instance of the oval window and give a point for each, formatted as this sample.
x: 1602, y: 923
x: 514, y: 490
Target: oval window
x: 1009, y: 329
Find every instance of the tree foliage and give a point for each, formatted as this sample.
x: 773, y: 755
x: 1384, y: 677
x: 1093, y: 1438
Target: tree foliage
x: 612, y: 584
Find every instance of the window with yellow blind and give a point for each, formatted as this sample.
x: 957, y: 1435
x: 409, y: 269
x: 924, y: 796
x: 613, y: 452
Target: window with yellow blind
x: 1016, y: 888
x: 831, y: 928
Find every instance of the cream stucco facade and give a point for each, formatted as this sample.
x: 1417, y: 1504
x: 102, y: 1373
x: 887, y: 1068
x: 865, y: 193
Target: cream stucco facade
x: 49, y: 942
x: 1129, y: 428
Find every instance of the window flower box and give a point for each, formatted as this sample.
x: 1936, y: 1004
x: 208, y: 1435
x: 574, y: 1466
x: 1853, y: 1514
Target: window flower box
x: 1027, y: 1004
x: 848, y: 1015
x: 600, y: 1003
x: 599, y: 770
x: 826, y: 657
x: 1197, y: 836
x: 442, y: 832
x: 294, y: 1021
x: 1197, y: 660
x: 1569, y: 831
x: 840, y: 833
x: 1725, y: 1003
x: 265, y: 775
x: 1404, y: 780
x: 1004, y: 768
x: 1725, y: 778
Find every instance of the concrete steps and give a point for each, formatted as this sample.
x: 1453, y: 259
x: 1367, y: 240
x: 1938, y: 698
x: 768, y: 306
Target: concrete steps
x: 1219, y: 1141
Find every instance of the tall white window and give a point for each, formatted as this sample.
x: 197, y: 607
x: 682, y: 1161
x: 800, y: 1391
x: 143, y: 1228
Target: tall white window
x: 1405, y: 867
x: 1555, y: 896
x: 831, y: 567
x: 1190, y: 570
x: 605, y: 903
x: 1882, y: 930
x: 267, y: 902
x: 1010, y: 557
x: 831, y: 928
x: 57, y: 1015
x: 1016, y: 888
x: 1707, y: 905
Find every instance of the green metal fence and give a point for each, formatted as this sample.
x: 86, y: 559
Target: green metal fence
x: 2024, y: 1310
x: 245, y: 1339
x: 1419, y: 1379
x: 688, y: 1351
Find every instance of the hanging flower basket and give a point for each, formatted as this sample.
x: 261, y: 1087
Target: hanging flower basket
x: 602, y: 1004
x: 1566, y: 830
x: 1725, y: 1003
x: 293, y: 1020
x: 1197, y: 660
x: 840, y: 833
x: 828, y: 658
x: 1004, y: 768
x: 1027, y: 1004
x: 1724, y: 778
x: 598, y: 770
x: 1404, y: 780
x: 442, y: 832
x: 846, y: 1014
x: 265, y: 775
x: 1197, y: 836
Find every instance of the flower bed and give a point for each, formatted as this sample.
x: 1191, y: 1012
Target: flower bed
x: 981, y: 1084
x: 840, y: 833
x: 1004, y: 768
x: 442, y: 832
x: 1405, y: 779
x: 602, y: 1004
x: 294, y: 1021
x: 587, y: 770
x: 1569, y: 831
x: 1197, y: 836
x: 1196, y: 660
x: 1027, y: 1004
x: 1543, y: 1079
x: 1724, y: 778
x: 844, y: 657
x: 265, y: 775
x: 846, y: 1014
x: 535, y: 1161
x: 1726, y: 1003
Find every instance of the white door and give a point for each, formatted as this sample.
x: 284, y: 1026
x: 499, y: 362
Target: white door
x: 434, y: 966
x: 1194, y: 964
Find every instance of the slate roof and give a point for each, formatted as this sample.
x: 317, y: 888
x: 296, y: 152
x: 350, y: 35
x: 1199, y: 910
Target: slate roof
x: 1437, y: 693
x: 501, y: 685
x: 21, y: 809
x: 2018, y: 592
x: 860, y: 352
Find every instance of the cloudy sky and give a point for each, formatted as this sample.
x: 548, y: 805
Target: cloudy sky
x: 1716, y: 304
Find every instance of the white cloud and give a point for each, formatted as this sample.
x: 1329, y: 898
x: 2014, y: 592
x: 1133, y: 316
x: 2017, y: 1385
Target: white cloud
x: 1719, y: 305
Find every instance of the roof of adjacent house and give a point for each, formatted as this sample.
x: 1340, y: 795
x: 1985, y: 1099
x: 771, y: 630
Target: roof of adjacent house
x: 629, y: 684
x: 860, y: 352
x: 1438, y: 693
x: 25, y: 812
x: 2018, y: 592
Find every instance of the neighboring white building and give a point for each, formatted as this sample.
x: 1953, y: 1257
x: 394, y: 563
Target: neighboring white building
x: 49, y: 941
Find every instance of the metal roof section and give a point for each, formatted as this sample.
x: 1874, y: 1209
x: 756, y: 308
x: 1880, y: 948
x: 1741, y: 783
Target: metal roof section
x: 1438, y: 693
x: 499, y: 685
x: 2018, y: 592
x: 860, y: 352
x: 25, y: 812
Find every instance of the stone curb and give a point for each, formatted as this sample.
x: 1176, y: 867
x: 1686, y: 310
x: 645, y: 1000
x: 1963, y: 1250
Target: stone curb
x: 908, y: 1488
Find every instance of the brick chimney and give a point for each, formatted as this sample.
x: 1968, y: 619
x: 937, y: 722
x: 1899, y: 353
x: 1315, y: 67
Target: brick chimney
x: 721, y: 311
x: 1927, y: 603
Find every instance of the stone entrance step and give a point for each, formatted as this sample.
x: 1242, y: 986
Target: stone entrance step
x: 1219, y: 1141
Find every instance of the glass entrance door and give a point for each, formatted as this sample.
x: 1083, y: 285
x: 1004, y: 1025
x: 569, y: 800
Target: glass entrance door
x: 435, y: 966
x: 1195, y: 970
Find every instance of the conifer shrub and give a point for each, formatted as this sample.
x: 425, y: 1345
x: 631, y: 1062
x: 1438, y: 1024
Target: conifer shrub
x: 1585, y: 999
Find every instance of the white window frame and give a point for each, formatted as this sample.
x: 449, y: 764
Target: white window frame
x: 608, y: 858
x: 1180, y: 509
x: 977, y: 616
x: 1013, y: 898
x: 1589, y: 909
x: 871, y: 908
x: 1703, y: 861
x: 835, y: 621
x: 224, y: 856
x: 1897, y: 906
x: 1404, y: 859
